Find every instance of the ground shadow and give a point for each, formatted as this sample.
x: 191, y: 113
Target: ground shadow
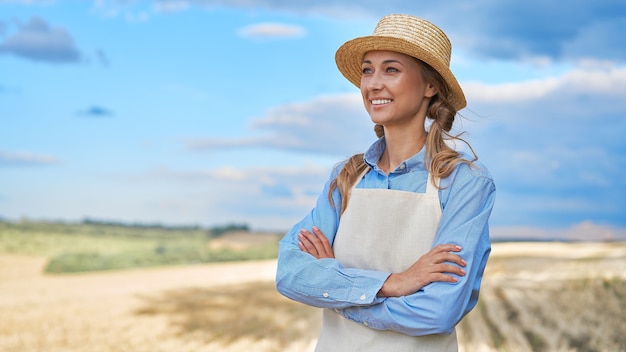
x: 228, y: 313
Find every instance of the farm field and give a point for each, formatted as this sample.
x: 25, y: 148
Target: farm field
x: 536, y: 297
x: 101, y: 246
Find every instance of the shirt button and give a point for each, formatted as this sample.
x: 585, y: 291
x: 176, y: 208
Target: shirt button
x: 362, y: 298
x: 402, y: 166
x: 325, y: 294
x: 365, y: 324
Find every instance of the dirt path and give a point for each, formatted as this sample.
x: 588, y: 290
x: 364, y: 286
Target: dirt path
x: 22, y: 280
x: 97, y: 311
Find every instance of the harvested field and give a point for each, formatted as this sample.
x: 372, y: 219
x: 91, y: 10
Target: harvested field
x: 551, y: 297
x: 535, y: 297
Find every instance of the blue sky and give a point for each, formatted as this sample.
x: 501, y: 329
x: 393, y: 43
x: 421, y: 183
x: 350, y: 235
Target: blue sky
x: 217, y: 112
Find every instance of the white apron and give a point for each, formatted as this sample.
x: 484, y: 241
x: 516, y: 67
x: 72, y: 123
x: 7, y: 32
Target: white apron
x: 385, y: 230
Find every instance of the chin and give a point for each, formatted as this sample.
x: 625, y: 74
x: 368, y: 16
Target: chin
x: 379, y: 120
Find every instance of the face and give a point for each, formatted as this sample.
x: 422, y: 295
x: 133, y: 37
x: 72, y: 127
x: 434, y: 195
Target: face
x: 393, y: 89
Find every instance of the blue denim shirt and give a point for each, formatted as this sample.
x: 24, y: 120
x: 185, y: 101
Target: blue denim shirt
x: 467, y: 198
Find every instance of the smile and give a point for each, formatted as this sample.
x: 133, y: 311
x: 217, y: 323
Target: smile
x: 380, y: 101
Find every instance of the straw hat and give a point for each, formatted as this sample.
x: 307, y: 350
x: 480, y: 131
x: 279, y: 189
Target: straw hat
x: 407, y: 35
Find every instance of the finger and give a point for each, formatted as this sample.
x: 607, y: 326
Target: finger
x: 319, y: 234
x: 446, y: 248
x: 313, y: 243
x: 317, y: 239
x: 324, y: 241
x: 321, y: 244
x: 308, y: 249
x: 312, y: 238
x: 304, y: 242
x: 446, y: 252
x: 451, y: 269
x: 302, y: 247
x: 439, y: 277
x: 452, y: 258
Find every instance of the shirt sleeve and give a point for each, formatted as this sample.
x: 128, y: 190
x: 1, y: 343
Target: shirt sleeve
x: 325, y: 282
x: 439, y: 306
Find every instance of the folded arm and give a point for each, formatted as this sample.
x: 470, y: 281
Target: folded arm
x: 439, y: 306
x: 323, y: 282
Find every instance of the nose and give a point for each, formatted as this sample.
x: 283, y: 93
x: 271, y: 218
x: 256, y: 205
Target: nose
x: 372, y: 82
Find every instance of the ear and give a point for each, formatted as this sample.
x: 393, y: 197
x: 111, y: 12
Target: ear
x: 430, y: 91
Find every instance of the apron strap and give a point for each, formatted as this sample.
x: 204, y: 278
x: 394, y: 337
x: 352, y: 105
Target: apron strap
x: 358, y: 179
x: 432, y: 184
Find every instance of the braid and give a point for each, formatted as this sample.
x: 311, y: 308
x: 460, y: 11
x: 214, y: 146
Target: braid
x: 346, y: 178
x: 440, y: 157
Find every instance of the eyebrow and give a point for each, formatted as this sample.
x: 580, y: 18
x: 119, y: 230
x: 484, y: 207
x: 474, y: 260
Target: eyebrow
x: 384, y: 62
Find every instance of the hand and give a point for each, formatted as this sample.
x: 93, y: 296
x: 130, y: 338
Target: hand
x: 435, y: 265
x: 315, y: 243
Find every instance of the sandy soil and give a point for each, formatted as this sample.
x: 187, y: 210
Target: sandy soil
x: 535, y: 297
x: 99, y: 311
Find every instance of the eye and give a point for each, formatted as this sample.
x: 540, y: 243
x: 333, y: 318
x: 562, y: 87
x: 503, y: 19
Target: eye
x: 366, y: 70
x: 392, y: 69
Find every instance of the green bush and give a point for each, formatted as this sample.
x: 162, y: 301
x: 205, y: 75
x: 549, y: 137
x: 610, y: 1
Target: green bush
x: 93, y: 246
x: 160, y: 256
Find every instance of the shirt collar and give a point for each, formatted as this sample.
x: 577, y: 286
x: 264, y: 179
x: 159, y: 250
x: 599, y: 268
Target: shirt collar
x: 375, y: 151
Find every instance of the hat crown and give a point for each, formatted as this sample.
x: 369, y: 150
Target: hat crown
x: 418, y: 32
x: 407, y: 35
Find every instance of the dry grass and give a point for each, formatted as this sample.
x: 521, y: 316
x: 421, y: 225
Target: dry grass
x: 535, y: 297
x: 242, y: 240
x: 225, y: 314
x: 551, y: 297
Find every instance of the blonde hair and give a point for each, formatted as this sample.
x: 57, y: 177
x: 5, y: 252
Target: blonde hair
x: 440, y: 159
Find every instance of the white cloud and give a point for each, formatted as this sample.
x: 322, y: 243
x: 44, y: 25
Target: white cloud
x: 556, y: 166
x: 39, y: 41
x: 271, y: 30
x: 26, y: 1
x: 229, y: 173
x: 584, y: 231
x: 610, y: 81
x: 555, y: 146
x: 171, y: 5
x: 584, y: 80
x: 26, y: 159
x: 333, y: 124
x: 240, y: 175
x: 254, y: 195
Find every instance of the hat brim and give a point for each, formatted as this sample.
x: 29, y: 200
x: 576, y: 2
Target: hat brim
x: 349, y: 59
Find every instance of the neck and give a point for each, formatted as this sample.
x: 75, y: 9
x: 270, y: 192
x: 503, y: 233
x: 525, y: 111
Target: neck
x: 401, y: 144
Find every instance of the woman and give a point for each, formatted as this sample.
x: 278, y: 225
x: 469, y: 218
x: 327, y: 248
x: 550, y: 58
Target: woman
x: 397, y: 243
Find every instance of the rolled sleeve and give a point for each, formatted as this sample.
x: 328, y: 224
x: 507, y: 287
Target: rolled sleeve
x: 323, y: 282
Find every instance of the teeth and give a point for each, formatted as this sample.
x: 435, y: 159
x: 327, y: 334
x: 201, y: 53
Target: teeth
x: 380, y: 101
